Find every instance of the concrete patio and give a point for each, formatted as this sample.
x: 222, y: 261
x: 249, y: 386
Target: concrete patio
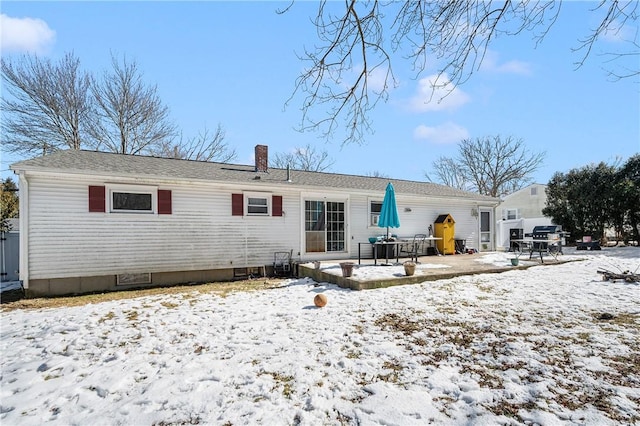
x: 366, y: 275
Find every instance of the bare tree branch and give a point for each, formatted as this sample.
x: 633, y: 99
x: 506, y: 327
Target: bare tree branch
x: 306, y: 158
x: 625, y: 72
x: 616, y: 16
x: 490, y: 166
x: 133, y: 120
x: 339, y: 71
x: 448, y: 171
x: 359, y: 41
x: 207, y: 146
x: 49, y: 106
x: 377, y: 174
x: 46, y: 106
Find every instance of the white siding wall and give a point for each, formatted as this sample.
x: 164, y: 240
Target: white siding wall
x: 504, y: 228
x: 529, y: 213
x: 424, y: 212
x: 65, y: 240
x: 529, y: 206
x: 360, y: 230
x: 467, y: 225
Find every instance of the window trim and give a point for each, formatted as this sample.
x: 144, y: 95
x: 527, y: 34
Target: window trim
x: 371, y: 214
x: 261, y: 195
x: 132, y: 189
x: 506, y: 213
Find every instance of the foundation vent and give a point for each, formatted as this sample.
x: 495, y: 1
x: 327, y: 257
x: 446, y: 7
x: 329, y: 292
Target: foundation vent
x: 133, y: 279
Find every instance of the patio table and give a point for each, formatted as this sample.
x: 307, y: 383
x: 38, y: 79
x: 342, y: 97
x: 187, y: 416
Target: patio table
x: 385, y: 244
x: 432, y: 243
x: 550, y: 246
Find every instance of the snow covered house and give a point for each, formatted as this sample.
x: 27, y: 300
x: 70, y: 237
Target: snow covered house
x: 95, y: 221
x: 521, y: 210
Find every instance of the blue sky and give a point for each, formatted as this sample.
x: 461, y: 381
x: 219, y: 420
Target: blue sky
x: 235, y: 63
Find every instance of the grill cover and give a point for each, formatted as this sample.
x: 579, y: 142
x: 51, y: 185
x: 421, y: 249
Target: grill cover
x: 547, y: 229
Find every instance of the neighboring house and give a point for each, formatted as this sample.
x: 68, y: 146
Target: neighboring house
x: 521, y: 210
x: 95, y: 221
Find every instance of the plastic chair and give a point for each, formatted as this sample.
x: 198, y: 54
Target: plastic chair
x: 282, y: 263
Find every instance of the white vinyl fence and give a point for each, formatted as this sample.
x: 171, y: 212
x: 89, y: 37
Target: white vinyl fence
x: 9, y: 256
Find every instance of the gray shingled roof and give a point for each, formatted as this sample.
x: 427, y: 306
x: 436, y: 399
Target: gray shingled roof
x: 91, y: 162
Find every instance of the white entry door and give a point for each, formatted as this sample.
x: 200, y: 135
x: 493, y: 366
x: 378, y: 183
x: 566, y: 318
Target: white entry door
x: 486, y: 230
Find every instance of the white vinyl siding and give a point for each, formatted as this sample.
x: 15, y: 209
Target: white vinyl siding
x: 423, y: 212
x: 65, y: 240
x: 529, y: 202
x: 510, y: 214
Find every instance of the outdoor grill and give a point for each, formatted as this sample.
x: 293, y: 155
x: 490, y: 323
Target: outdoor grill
x: 545, y: 236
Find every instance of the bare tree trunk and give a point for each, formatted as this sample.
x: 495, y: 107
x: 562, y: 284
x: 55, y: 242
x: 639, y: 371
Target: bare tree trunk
x: 493, y: 166
x: 48, y: 107
x: 132, y: 119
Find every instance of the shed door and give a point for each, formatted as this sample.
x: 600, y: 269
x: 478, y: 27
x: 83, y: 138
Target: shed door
x: 486, y: 230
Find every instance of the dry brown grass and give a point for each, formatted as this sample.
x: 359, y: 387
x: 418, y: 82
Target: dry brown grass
x: 484, y: 354
x: 221, y: 289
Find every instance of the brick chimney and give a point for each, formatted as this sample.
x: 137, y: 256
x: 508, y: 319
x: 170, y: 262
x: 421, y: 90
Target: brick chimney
x: 262, y: 158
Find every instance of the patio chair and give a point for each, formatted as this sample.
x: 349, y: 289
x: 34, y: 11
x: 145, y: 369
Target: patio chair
x: 415, y: 248
x: 282, y: 263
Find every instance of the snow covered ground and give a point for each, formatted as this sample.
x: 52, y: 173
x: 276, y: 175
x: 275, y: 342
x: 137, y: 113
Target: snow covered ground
x: 526, y: 346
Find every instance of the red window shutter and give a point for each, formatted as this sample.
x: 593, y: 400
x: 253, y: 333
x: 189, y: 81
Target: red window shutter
x: 237, y: 207
x: 276, y: 205
x: 97, y: 202
x: 164, y: 201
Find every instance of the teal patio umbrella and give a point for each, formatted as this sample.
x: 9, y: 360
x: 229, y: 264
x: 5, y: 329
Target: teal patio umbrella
x: 389, y: 211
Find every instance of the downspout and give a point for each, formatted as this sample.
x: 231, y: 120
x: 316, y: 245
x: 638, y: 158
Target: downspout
x: 23, y: 209
x: 475, y: 212
x: 495, y: 227
x: 3, y: 238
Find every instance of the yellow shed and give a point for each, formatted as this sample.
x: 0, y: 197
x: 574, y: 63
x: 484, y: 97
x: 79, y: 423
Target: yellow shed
x: 445, y: 228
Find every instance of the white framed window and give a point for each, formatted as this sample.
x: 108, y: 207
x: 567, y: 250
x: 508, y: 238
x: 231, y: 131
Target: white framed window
x: 534, y: 190
x: 257, y: 204
x: 132, y: 199
x: 375, y: 207
x: 509, y: 214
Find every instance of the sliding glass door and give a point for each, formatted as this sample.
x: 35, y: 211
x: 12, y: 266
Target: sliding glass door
x: 324, y: 226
